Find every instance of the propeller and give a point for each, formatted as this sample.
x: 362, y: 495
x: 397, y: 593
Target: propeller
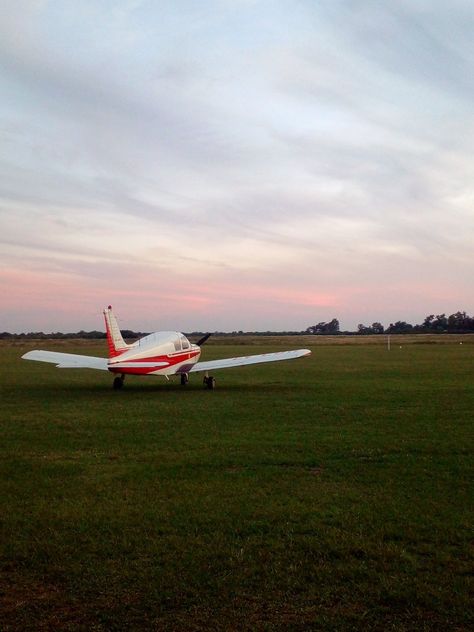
x: 202, y: 340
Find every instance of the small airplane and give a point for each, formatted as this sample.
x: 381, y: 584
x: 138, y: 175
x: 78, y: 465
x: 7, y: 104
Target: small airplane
x: 164, y: 353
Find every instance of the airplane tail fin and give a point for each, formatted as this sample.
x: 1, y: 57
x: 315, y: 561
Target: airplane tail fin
x: 117, y: 344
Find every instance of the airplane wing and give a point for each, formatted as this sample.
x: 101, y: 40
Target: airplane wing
x: 67, y: 360
x: 253, y: 359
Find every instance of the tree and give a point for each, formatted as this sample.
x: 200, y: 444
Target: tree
x: 440, y: 323
x: 377, y: 328
x: 400, y: 327
x: 459, y: 321
x: 331, y: 327
x: 428, y: 322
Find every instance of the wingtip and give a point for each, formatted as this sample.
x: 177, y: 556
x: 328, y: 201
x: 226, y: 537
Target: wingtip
x: 304, y: 352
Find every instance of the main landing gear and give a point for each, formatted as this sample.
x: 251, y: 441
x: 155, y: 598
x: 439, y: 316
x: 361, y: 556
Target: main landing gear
x: 118, y: 382
x: 210, y: 382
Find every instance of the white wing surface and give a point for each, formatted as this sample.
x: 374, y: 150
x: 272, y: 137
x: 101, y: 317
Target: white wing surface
x: 67, y: 360
x: 227, y: 363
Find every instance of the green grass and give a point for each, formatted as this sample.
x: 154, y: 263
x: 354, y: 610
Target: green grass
x: 331, y: 493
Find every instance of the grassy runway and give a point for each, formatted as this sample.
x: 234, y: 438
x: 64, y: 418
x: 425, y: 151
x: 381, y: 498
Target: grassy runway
x: 329, y: 493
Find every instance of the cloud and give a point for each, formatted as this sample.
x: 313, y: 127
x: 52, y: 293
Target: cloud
x: 291, y: 149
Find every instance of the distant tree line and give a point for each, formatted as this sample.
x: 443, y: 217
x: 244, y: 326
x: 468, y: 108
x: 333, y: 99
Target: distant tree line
x: 460, y: 323
x: 83, y: 335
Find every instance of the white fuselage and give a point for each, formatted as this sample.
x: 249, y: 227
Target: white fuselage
x: 161, y: 353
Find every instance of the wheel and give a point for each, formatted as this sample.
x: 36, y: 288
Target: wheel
x: 118, y: 383
x: 211, y: 382
x: 184, y: 379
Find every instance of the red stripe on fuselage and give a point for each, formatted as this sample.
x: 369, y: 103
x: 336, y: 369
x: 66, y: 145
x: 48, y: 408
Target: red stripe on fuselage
x: 171, y: 360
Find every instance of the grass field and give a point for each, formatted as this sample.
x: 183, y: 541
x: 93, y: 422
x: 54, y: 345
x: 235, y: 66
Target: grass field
x: 329, y: 493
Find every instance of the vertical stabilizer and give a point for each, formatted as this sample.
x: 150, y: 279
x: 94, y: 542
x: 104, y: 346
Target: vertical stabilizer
x: 117, y: 344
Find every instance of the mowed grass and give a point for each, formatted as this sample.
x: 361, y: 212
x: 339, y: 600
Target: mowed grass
x: 332, y: 492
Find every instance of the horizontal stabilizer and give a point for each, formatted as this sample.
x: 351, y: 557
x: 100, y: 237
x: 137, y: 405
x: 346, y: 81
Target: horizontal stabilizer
x: 227, y: 363
x: 67, y: 360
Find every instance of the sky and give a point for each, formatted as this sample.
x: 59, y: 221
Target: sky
x: 235, y: 164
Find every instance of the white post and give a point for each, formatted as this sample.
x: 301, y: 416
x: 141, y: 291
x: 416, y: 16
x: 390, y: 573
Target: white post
x: 388, y: 342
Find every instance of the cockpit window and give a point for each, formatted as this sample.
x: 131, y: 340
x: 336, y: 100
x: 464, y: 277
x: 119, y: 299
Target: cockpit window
x: 177, y: 344
x: 185, y: 342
